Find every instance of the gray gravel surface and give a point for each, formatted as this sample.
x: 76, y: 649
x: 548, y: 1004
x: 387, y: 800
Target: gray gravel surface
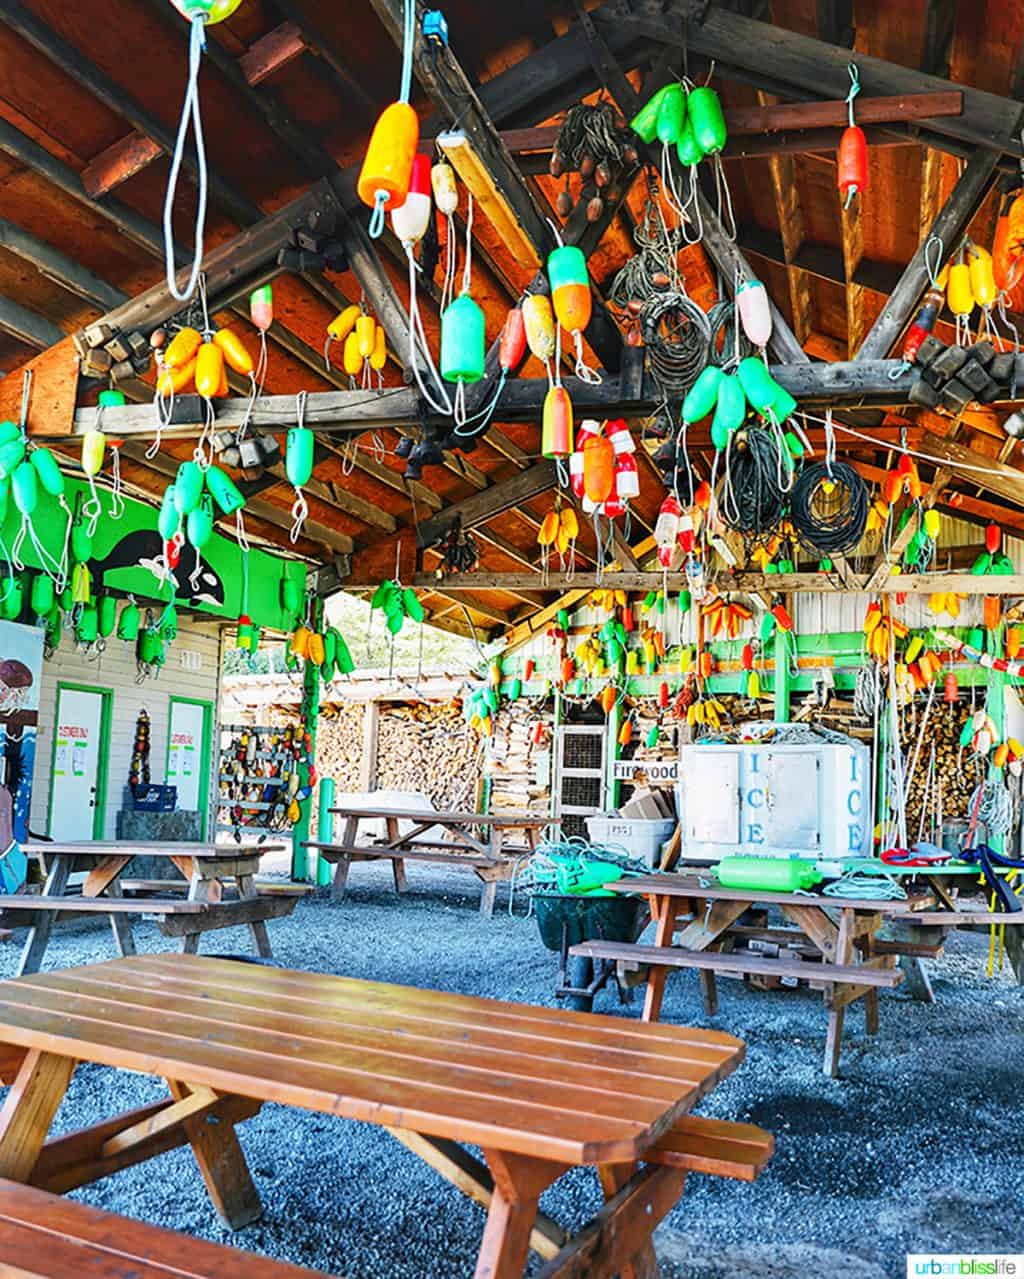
x: 918, y: 1147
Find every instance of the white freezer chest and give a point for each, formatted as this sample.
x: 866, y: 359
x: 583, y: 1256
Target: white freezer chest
x: 805, y: 800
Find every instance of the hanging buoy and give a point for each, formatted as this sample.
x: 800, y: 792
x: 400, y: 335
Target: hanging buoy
x: 539, y: 322
x: 463, y: 341
x: 853, y: 162
x: 556, y: 433
x: 688, y: 148
x: 671, y: 114
x: 187, y: 487
x: 982, y: 276
x: 387, y: 167
x: 42, y: 596
x: 94, y: 444
x: 25, y: 489
x: 645, y: 122
x: 444, y: 187
x: 598, y: 468
x: 704, y: 112
x: 959, y: 293
x: 234, y: 352
x: 512, y: 344
x: 666, y: 530
x: 199, y: 526
x: 224, y: 490
x: 703, y: 395
x: 571, y: 299
x: 758, y: 385
x: 411, y: 218
x: 730, y: 410
x: 299, y: 456
x: 261, y: 307
x: 755, y: 312
x: 209, y: 370
x: 351, y: 360
x: 627, y: 477
x: 50, y: 475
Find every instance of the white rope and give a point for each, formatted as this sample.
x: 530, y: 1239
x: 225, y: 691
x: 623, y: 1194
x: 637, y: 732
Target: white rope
x: 189, y: 111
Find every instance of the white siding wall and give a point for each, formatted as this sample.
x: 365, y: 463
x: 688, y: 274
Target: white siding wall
x: 115, y: 669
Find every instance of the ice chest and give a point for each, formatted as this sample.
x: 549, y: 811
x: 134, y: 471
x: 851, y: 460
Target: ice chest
x: 798, y: 800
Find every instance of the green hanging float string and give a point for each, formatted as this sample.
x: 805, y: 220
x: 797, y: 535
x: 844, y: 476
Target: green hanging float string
x: 300, y: 507
x: 854, y: 90
x: 189, y: 112
x: 379, y: 214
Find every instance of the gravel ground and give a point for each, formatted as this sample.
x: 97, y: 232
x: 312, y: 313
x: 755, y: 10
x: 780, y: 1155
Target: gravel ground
x: 919, y: 1147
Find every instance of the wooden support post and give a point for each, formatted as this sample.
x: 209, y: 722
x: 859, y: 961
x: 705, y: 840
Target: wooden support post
x: 311, y: 705
x: 782, y: 678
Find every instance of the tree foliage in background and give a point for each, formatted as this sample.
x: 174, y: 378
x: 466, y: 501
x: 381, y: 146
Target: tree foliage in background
x: 370, y: 645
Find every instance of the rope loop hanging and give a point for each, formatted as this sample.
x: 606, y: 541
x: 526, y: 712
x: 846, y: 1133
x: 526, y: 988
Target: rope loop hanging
x: 190, y: 113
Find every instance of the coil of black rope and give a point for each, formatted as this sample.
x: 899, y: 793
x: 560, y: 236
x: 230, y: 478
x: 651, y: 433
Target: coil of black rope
x: 678, y: 337
x: 829, y: 508
x: 756, y: 480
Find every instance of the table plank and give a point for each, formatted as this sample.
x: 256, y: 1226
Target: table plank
x: 446, y: 1091
x: 676, y: 885
x: 142, y: 848
x: 521, y: 1056
x: 58, y: 1237
x: 445, y: 818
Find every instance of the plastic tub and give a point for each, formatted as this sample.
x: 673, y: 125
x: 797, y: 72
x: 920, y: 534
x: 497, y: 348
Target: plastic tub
x: 641, y: 837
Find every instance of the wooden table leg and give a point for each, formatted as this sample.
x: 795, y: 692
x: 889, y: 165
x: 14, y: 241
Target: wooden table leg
x: 222, y: 1163
x: 258, y: 928
x: 397, y: 863
x: 644, y: 1263
x: 664, y: 910
x: 836, y: 1017
x: 708, y: 992
x: 916, y: 981
x: 28, y: 1111
x: 120, y: 924
x: 870, y: 998
x: 200, y: 890
x: 518, y: 1183
x: 469, y: 1175
x: 39, y: 934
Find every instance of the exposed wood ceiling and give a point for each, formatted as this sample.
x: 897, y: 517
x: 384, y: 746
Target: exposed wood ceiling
x: 89, y: 99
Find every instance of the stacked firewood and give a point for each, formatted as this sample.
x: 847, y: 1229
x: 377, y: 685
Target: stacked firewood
x: 425, y: 746
x: 955, y: 769
x: 519, y: 767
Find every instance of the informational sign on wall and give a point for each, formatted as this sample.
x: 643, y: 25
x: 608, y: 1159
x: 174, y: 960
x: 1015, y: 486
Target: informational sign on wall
x: 186, y: 751
x: 655, y: 770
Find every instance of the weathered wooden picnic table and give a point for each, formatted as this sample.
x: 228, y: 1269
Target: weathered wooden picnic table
x: 538, y: 1089
x: 204, y: 866
x: 491, y: 856
x: 848, y: 963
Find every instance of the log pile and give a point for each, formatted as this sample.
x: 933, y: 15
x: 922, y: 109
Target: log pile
x: 425, y: 746
x: 953, y: 767
x: 339, y: 744
x: 514, y: 760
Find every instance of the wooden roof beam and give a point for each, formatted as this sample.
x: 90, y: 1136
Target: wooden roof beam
x: 455, y: 98
x: 28, y: 326
x: 808, y: 65
x: 849, y: 383
x: 949, y: 226
x: 790, y: 214
x: 137, y: 150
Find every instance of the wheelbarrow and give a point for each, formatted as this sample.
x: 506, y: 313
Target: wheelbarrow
x: 564, y: 920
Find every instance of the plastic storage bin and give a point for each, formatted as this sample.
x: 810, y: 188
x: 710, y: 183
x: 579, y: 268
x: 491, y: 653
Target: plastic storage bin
x: 641, y: 837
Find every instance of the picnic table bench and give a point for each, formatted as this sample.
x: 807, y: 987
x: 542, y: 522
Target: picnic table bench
x: 490, y: 856
x: 205, y: 867
x: 538, y: 1089
x: 46, y: 1237
x: 835, y: 936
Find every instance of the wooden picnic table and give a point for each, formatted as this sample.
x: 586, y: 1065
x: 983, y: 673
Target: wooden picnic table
x: 840, y: 932
x: 204, y: 866
x: 538, y: 1089
x: 490, y: 856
